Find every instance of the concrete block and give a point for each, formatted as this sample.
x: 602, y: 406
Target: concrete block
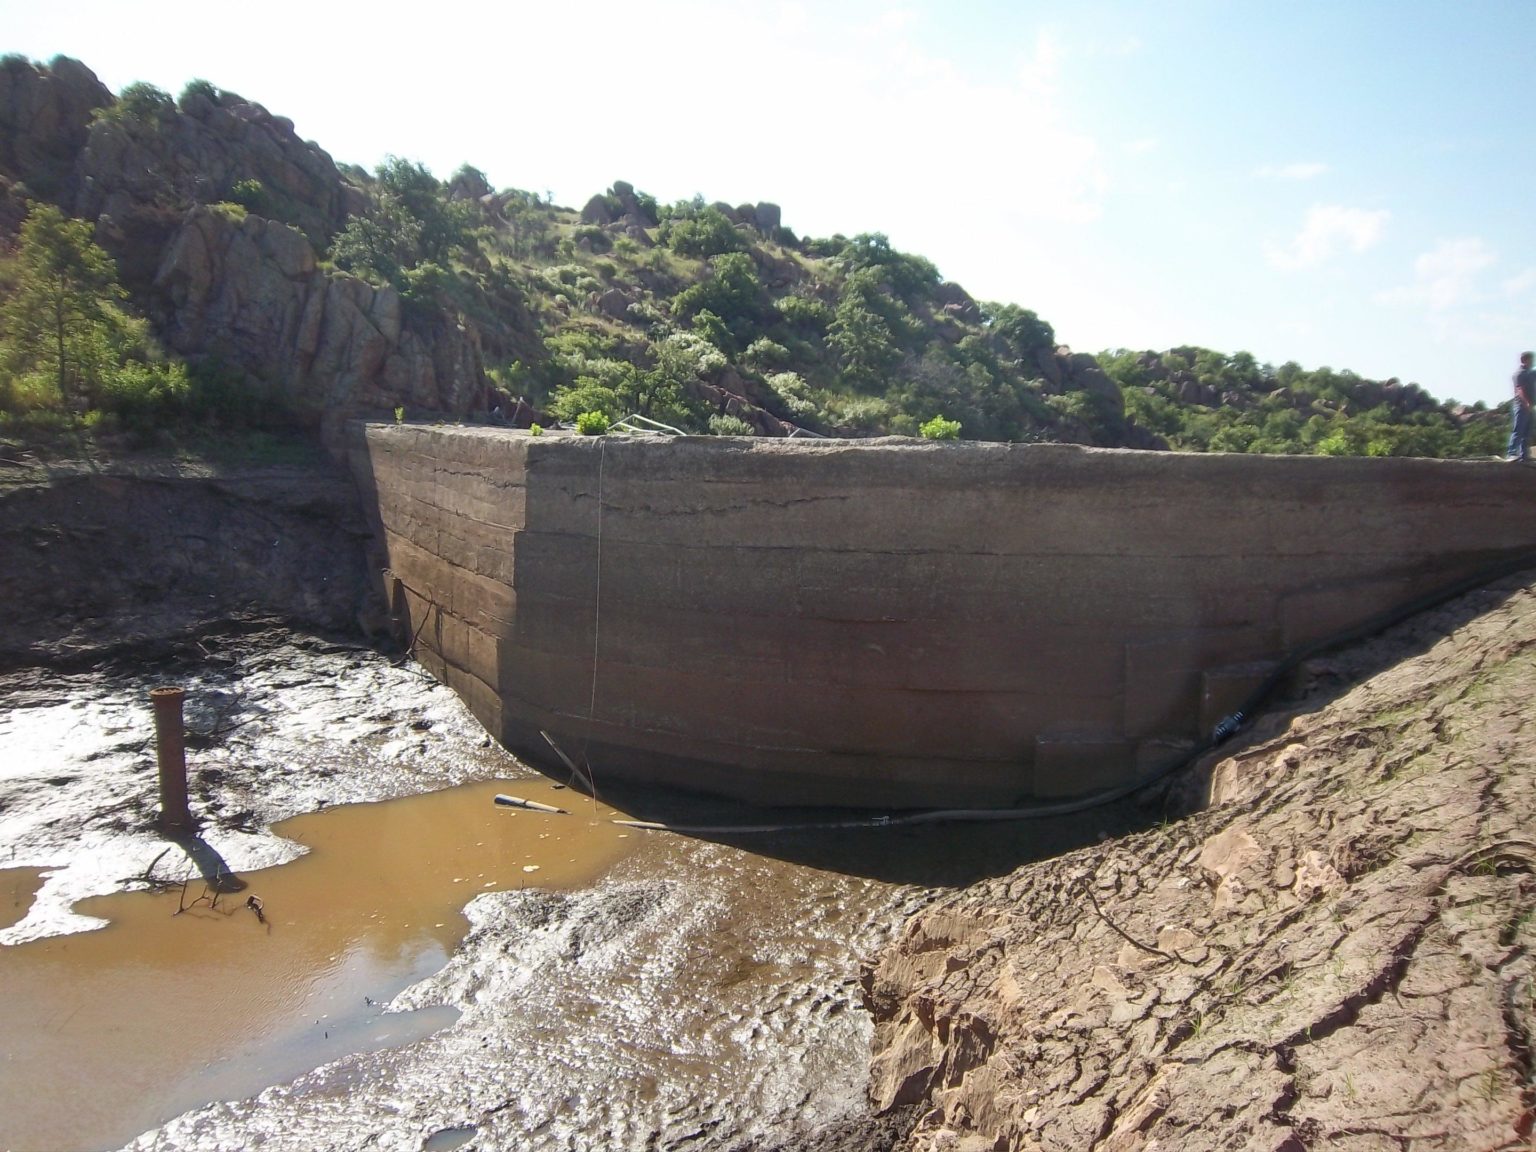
x: 1164, y: 675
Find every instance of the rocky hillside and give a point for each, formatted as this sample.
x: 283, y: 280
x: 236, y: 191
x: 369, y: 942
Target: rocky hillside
x: 239, y: 293
x: 1337, y: 953
x: 315, y: 290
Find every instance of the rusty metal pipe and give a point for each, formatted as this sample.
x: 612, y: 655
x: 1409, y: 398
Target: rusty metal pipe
x: 171, y: 750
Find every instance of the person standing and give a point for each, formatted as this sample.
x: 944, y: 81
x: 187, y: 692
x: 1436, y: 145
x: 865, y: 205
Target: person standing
x: 1525, y: 396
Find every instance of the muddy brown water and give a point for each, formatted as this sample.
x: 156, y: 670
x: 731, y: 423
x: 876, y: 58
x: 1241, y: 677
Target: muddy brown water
x: 17, y: 887
x: 184, y: 998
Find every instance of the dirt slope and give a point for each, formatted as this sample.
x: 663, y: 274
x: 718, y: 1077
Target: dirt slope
x: 1335, y: 954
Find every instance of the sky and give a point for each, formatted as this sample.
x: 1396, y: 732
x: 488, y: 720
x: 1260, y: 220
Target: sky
x: 1342, y: 183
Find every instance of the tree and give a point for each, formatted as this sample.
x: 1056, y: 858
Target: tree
x: 65, y: 340
x: 708, y: 233
x: 911, y: 278
x: 411, y: 223
x: 62, y: 325
x: 1020, y: 331
x: 381, y: 245
x: 865, y: 347
x: 445, y: 224
x: 733, y: 294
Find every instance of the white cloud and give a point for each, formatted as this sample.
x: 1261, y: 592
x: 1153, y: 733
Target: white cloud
x: 1445, y: 277
x: 1328, y: 229
x: 1520, y: 284
x: 1144, y: 145
x: 1306, y: 170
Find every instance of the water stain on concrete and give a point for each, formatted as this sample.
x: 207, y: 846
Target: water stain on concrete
x: 184, y: 999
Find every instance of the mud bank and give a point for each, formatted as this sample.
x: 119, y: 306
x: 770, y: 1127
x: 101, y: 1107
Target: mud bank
x: 118, y: 555
x: 697, y: 994
x: 278, y: 725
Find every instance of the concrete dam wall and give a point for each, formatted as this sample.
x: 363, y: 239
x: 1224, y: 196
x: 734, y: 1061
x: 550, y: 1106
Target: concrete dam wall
x: 893, y: 623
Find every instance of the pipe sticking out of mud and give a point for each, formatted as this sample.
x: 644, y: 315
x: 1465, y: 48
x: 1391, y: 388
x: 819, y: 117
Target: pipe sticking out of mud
x: 171, y: 751
x: 532, y: 805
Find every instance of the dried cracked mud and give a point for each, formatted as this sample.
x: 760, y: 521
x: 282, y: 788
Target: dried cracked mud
x: 1336, y: 953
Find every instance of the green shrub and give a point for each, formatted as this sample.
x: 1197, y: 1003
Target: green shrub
x: 144, y: 397
x: 196, y: 88
x: 707, y: 234
x: 713, y: 329
x: 587, y: 394
x: 591, y: 424
x: 596, y: 239
x: 939, y: 429
x: 535, y: 429
x: 766, y: 353
x: 858, y: 413
x: 722, y: 425
x: 252, y: 195
x: 794, y: 394
x: 142, y: 104
x: 222, y: 395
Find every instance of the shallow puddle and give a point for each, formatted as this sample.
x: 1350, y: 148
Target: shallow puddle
x: 111, y: 1032
x: 17, y: 887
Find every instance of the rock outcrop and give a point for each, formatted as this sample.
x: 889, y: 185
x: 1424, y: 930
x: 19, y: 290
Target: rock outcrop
x: 45, y: 116
x: 1337, y: 953
x: 249, y: 294
x: 239, y: 290
x: 200, y: 153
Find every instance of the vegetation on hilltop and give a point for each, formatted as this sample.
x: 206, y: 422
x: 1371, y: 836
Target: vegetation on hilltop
x: 718, y: 318
x: 709, y: 317
x: 1199, y: 400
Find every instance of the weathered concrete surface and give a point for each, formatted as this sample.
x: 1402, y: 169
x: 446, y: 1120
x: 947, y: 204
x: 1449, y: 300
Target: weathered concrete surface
x: 892, y: 623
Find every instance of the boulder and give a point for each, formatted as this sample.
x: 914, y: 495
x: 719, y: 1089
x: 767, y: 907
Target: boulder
x: 1081, y: 373
x: 1049, y: 365
x: 470, y: 184
x: 598, y: 211
x: 958, y: 302
x: 722, y: 400
x: 616, y: 304
x: 1191, y: 391
x: 45, y: 117
x: 767, y: 217
x: 631, y: 207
